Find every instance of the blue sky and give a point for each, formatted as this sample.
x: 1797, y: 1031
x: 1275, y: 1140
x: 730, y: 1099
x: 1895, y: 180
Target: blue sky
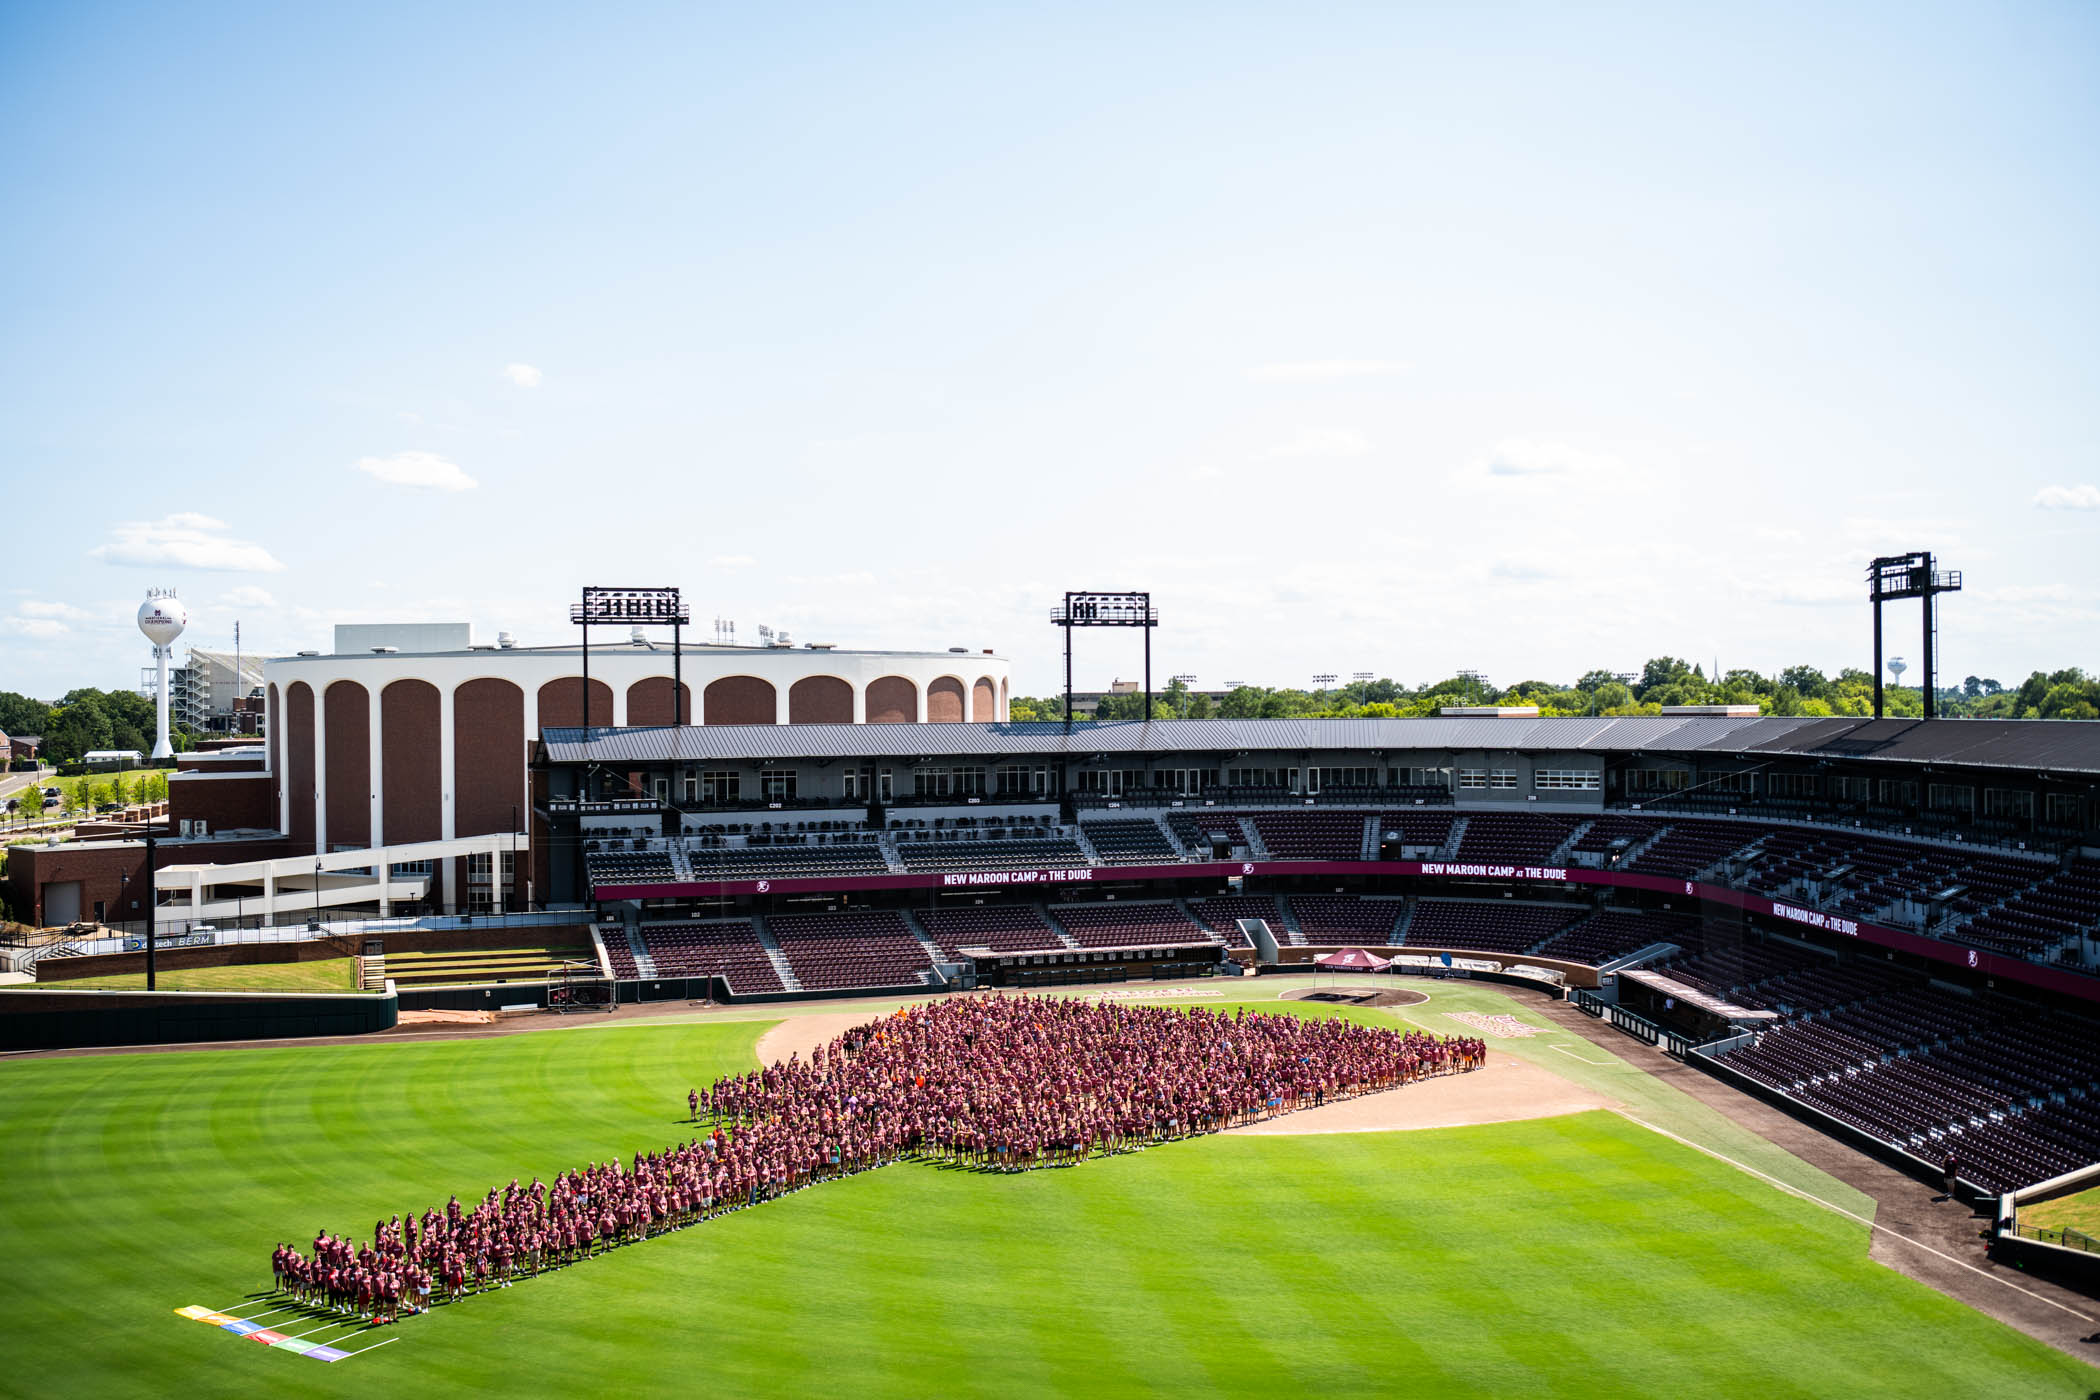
x: 1383, y: 338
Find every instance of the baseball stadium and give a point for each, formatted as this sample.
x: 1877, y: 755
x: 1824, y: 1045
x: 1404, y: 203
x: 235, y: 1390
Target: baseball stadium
x: 790, y: 1020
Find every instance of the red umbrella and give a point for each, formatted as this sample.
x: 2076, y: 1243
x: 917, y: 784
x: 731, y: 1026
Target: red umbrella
x: 1354, y: 960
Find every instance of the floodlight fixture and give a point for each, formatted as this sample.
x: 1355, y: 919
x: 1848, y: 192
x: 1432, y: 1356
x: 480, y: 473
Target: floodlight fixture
x: 637, y: 608
x: 1086, y: 608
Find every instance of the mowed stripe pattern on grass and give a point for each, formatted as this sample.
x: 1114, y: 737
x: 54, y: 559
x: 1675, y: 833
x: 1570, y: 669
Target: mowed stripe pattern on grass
x: 1568, y: 1255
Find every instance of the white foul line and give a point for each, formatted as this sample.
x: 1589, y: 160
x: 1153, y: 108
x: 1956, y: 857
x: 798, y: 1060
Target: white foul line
x: 1871, y: 1225
x: 374, y: 1347
x: 1582, y: 1058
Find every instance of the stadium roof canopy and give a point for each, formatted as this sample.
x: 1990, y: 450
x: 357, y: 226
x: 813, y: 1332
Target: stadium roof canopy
x: 2053, y: 745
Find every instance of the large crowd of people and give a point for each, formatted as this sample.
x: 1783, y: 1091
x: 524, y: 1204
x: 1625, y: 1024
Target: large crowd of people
x: 1000, y: 1083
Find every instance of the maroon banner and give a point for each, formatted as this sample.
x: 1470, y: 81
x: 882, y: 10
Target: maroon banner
x: 1072, y: 880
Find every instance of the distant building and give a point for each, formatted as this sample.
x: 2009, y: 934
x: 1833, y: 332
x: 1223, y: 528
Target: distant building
x: 218, y: 692
x: 24, y: 745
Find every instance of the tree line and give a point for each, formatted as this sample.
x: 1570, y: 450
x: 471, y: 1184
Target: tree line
x: 85, y: 720
x: 1666, y: 680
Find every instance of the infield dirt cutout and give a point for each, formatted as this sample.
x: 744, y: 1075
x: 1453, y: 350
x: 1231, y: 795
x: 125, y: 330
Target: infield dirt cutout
x: 1506, y: 1090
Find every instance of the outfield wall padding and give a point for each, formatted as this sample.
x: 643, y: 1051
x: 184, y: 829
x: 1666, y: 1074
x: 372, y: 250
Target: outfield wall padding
x: 59, y: 1020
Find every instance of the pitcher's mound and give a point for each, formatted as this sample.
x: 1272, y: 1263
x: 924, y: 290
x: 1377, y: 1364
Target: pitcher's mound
x: 1358, y: 996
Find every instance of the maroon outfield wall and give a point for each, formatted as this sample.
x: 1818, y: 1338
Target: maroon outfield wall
x: 1931, y: 949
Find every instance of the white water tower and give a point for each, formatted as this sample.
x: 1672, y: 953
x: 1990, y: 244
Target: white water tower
x: 1897, y: 666
x: 162, y: 619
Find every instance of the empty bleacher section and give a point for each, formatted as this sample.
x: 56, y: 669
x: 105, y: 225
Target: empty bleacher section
x: 2005, y: 1085
x: 861, y: 948
x: 534, y: 962
x: 1194, y: 830
x: 1415, y: 828
x: 609, y: 867
x: 1131, y: 843
x: 1498, y: 926
x: 1689, y: 847
x: 2064, y: 906
x: 1522, y: 838
x: 1121, y: 925
x: 1311, y: 834
x: 1613, y: 933
x: 725, y: 948
x: 1010, y: 928
x: 1611, y: 830
x: 785, y: 861
x: 1735, y: 970
x: 961, y: 852
x: 1341, y: 919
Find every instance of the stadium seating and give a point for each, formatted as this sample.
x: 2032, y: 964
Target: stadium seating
x: 1520, y: 838
x: 725, y: 948
x: 1611, y: 933
x: 629, y: 867
x: 860, y: 948
x: 1311, y: 834
x: 1499, y: 926
x: 1121, y: 925
x: 963, y: 854
x: 1013, y: 928
x: 1337, y: 920
x: 1131, y: 843
x: 783, y: 862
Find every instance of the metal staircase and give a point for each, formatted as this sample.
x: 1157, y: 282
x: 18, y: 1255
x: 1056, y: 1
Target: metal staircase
x: 774, y: 955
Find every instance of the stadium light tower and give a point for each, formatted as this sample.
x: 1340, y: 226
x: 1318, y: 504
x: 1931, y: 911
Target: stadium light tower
x: 638, y: 607
x: 1910, y: 575
x: 1323, y: 680
x: 1092, y: 609
x: 1188, y: 683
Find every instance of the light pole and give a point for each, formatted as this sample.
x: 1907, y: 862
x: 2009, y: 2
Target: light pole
x: 1187, y: 681
x: 315, y: 926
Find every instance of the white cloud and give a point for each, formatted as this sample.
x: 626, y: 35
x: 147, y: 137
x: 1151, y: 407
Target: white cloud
x: 41, y: 628
x: 1539, y: 457
x: 63, y: 612
x: 1324, y: 442
x: 524, y: 376
x: 732, y: 561
x: 248, y: 596
x: 1314, y: 371
x: 2068, y: 497
x: 425, y: 471
x: 184, y: 540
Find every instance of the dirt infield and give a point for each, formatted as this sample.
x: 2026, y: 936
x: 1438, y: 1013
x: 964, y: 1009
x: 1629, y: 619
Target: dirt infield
x: 798, y: 1035
x: 1506, y: 1090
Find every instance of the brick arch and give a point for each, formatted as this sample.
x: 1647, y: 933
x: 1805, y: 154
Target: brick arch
x: 984, y: 701
x: 299, y: 760
x: 740, y: 700
x: 820, y: 700
x: 411, y: 785
x: 944, y: 701
x: 347, y: 706
x: 560, y: 702
x: 488, y: 744
x: 273, y: 720
x: 892, y: 700
x: 649, y: 701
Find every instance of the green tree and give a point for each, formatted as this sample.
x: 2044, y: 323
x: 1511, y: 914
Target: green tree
x: 78, y: 727
x: 1659, y: 672
x: 1806, y: 680
x: 19, y: 714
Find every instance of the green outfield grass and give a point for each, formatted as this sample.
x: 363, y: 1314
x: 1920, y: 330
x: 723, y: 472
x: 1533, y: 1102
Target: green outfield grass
x: 1581, y: 1255
x: 2079, y: 1212
x: 320, y: 975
